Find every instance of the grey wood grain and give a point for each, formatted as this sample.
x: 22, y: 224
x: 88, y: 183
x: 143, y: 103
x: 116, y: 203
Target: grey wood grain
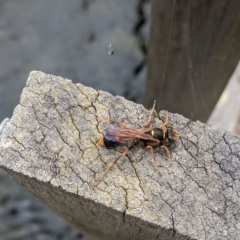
x: 49, y: 147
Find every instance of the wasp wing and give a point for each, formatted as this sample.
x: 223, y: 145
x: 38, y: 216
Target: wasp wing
x: 117, y: 133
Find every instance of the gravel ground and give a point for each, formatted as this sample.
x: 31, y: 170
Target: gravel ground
x: 25, y: 218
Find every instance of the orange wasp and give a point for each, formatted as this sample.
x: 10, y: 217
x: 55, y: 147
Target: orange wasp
x: 118, y: 132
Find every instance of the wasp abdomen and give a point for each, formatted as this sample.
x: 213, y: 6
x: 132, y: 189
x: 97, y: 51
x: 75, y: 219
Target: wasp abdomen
x: 108, y: 143
x: 104, y: 142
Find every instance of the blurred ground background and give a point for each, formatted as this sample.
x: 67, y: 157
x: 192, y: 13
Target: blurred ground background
x: 69, y: 39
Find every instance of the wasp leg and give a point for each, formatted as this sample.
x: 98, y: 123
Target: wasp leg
x: 109, y: 121
x: 168, y: 153
x: 165, y: 122
x: 150, y: 115
x: 110, y: 166
x: 154, y: 159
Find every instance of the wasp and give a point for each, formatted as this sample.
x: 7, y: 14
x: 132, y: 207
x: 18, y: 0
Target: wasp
x: 118, y: 132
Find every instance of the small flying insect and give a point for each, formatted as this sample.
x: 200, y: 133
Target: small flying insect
x: 110, y: 49
x: 118, y: 132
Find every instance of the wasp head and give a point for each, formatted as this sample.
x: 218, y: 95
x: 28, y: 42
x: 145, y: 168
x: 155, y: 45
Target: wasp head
x: 172, y: 134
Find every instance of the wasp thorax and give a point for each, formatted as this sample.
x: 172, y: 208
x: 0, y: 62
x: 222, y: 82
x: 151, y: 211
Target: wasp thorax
x: 158, y: 133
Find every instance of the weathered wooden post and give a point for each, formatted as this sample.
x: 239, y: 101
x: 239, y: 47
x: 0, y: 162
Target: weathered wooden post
x: 49, y: 147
